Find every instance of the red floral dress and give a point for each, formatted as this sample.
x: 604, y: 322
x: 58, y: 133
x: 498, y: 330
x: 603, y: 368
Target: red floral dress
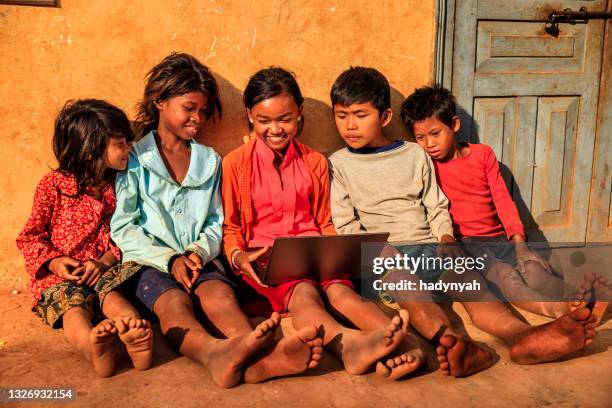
x: 64, y: 224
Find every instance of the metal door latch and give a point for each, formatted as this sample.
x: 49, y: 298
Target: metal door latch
x: 572, y: 17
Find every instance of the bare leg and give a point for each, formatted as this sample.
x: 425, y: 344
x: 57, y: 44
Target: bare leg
x: 515, y: 290
x: 224, y: 358
x: 219, y: 303
x: 368, y: 316
x: 116, y: 306
x: 96, y: 344
x: 287, y: 356
x: 541, y: 280
x: 77, y: 329
x: 357, y: 350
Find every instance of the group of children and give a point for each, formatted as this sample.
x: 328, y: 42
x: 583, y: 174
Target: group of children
x: 164, y: 224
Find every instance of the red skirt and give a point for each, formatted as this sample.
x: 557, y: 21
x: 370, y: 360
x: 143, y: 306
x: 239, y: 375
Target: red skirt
x: 280, y: 296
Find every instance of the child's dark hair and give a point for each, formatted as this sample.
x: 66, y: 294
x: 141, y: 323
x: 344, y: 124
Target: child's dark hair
x: 362, y: 85
x: 270, y: 82
x: 429, y: 101
x: 176, y: 75
x: 82, y: 131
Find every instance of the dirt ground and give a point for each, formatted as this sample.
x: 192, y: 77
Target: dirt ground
x: 33, y: 355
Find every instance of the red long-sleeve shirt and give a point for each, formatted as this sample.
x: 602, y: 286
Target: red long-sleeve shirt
x: 64, y: 224
x: 480, y: 204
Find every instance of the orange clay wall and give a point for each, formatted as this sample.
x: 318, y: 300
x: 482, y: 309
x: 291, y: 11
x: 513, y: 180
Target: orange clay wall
x: 103, y: 48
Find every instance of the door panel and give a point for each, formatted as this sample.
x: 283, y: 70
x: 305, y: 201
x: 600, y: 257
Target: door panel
x: 553, y: 192
x: 516, y: 47
x: 533, y: 98
x: 600, y: 216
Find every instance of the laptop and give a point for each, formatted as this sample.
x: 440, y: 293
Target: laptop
x: 319, y: 257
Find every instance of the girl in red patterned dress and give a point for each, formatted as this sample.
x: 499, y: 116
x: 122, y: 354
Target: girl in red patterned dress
x: 66, y: 240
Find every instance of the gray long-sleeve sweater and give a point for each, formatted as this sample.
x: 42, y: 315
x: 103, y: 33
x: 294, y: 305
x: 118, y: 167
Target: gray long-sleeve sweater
x: 393, y: 191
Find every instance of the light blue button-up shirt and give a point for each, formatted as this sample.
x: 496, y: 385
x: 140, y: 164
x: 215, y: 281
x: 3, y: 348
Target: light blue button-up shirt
x: 157, y: 218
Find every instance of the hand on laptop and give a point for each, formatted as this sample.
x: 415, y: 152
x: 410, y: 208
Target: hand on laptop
x: 242, y: 261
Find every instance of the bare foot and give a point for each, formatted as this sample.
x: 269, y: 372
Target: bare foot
x: 461, y: 357
x: 225, y: 358
x: 137, y: 336
x: 551, y: 341
x: 411, y: 358
x: 102, y: 339
x: 603, y: 297
x: 360, y: 349
x: 584, y: 293
x: 289, y: 356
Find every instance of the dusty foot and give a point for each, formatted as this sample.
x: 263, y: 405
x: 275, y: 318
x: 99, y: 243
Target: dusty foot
x: 360, y: 349
x: 289, y: 356
x: 584, y: 293
x: 410, y: 357
x: 603, y: 297
x: 225, y: 358
x: 461, y: 357
x: 137, y: 336
x: 103, y: 348
x: 554, y: 340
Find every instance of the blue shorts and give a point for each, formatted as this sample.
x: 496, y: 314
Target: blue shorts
x: 427, y: 275
x: 152, y: 283
x: 493, y: 249
x: 430, y: 275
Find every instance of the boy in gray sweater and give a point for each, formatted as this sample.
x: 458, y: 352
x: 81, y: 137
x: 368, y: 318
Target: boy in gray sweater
x: 381, y: 185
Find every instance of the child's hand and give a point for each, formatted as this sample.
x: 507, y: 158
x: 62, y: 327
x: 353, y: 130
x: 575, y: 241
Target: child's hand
x: 242, y: 260
x: 524, y: 255
x: 196, y: 268
x: 91, y: 272
x: 62, y: 267
x: 184, y: 270
x: 449, y: 247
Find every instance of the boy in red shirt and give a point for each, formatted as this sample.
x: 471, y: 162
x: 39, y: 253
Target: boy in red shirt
x: 484, y: 215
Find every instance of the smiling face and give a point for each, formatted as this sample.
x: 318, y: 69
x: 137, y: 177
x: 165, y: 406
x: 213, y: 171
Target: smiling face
x: 361, y: 124
x: 436, y: 137
x: 276, y: 121
x: 117, y: 153
x: 183, y: 115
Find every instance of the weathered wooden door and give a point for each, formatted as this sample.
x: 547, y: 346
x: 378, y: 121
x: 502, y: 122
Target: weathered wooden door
x: 533, y: 98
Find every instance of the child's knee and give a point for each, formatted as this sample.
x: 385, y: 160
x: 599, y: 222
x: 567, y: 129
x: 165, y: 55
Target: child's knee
x: 534, y: 269
x: 172, y: 302
x: 74, y: 314
x: 214, y: 289
x: 535, y: 276
x: 306, y: 292
x: 338, y: 293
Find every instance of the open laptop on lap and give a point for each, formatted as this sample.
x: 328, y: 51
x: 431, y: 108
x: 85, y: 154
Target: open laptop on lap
x: 319, y: 257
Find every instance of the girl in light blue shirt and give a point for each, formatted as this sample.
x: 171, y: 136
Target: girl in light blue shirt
x: 168, y: 221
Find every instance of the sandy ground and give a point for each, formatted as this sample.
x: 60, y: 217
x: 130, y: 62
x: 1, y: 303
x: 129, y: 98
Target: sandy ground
x: 33, y: 355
